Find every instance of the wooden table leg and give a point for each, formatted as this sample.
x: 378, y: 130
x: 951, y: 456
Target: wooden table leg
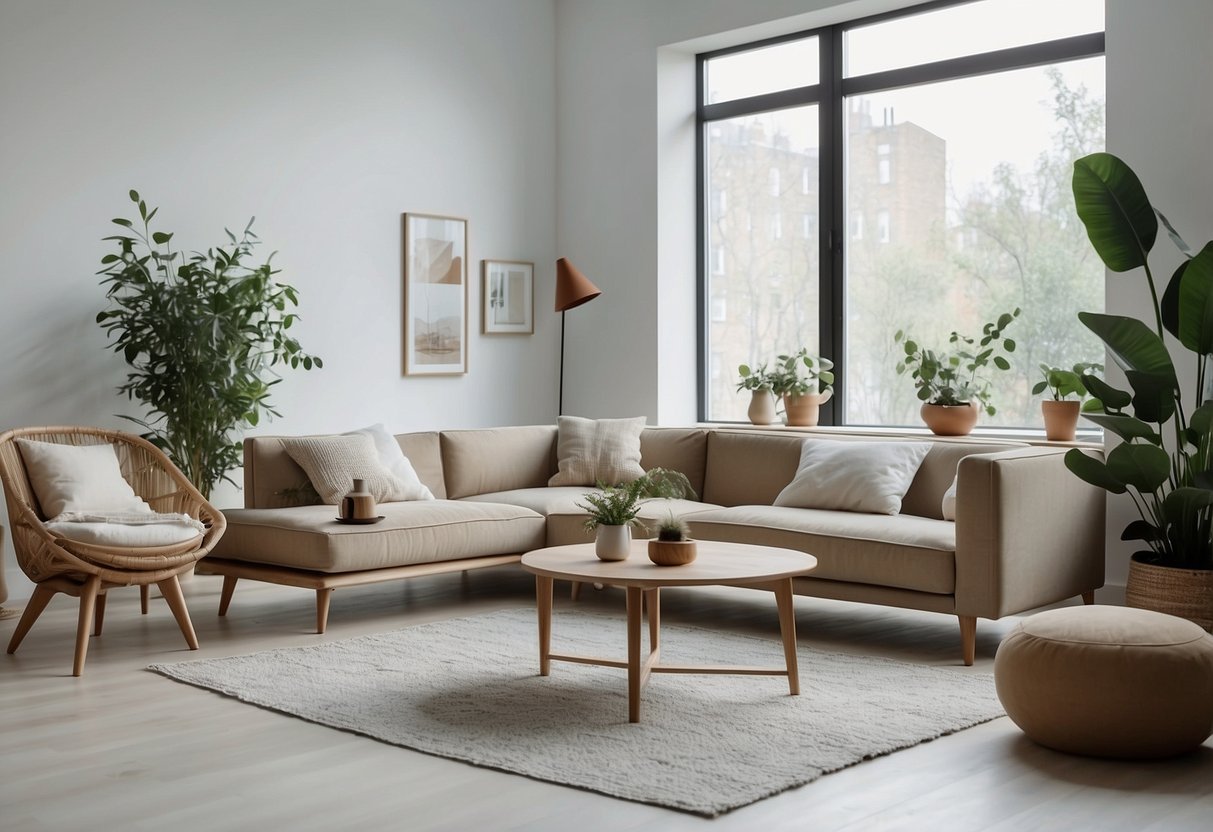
x: 652, y: 602
x: 543, y: 603
x: 787, y: 628
x: 635, y: 601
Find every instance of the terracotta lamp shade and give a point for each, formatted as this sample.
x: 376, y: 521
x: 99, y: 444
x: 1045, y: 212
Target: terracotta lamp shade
x: 572, y: 287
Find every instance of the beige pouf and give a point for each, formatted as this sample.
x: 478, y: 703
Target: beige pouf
x: 1108, y: 681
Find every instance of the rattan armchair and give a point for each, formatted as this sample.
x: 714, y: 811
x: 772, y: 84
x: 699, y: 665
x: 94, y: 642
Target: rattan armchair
x: 87, y: 571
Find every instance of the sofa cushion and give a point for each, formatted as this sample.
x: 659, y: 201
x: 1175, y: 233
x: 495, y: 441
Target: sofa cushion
x: 497, y: 459
x: 885, y: 550
x: 332, y: 463
x: 676, y: 449
x: 78, y: 478
x: 308, y: 537
x: 592, y: 451
x: 394, y: 459
x: 870, y: 477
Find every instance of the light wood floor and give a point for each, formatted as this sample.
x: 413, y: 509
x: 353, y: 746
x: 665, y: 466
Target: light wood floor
x: 122, y: 748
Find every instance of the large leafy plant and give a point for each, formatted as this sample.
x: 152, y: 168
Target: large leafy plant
x: 961, y: 374
x: 202, y: 334
x: 1165, y: 461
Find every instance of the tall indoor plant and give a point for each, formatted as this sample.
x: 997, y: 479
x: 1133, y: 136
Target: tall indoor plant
x: 1165, y: 461
x: 202, y: 334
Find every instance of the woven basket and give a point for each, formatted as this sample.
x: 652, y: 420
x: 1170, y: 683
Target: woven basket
x: 1187, y: 593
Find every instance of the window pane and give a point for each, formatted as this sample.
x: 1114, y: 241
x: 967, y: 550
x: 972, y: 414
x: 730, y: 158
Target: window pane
x: 976, y: 218
x: 965, y: 30
x: 763, y: 277
x: 784, y: 66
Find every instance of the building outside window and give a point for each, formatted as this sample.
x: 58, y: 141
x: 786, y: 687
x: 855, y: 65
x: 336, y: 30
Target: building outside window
x: 962, y: 169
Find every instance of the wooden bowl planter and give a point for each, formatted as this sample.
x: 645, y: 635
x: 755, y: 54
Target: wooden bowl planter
x: 950, y: 419
x: 1186, y: 593
x: 1061, y: 420
x: 672, y: 552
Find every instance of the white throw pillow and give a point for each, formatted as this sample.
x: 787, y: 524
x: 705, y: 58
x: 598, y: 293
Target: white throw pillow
x: 869, y: 477
x: 395, y: 461
x: 590, y: 451
x: 332, y: 463
x: 78, y: 478
x: 948, y: 507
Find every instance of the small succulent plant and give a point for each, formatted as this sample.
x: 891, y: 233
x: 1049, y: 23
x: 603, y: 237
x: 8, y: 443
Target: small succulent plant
x: 671, y: 529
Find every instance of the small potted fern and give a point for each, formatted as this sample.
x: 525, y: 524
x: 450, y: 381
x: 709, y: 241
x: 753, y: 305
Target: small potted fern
x: 672, y: 546
x: 613, y: 510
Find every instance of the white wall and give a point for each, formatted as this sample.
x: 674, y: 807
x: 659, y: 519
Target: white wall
x: 325, y: 120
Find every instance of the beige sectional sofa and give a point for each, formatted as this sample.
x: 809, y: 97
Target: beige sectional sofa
x: 1027, y: 532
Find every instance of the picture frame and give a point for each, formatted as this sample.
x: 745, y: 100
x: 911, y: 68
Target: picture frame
x: 507, y: 297
x: 435, y: 295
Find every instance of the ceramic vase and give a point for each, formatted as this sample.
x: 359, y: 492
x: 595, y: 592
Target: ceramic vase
x: 359, y: 504
x: 613, y: 542
x: 950, y: 419
x: 762, y: 407
x: 805, y: 411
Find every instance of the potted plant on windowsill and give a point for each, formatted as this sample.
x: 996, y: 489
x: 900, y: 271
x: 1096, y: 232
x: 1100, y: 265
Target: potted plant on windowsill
x: 613, y: 510
x: 805, y: 382
x: 1060, y: 412
x: 762, y: 399
x: 954, y: 384
x: 1165, y: 461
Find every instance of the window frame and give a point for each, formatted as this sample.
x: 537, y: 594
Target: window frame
x: 829, y: 96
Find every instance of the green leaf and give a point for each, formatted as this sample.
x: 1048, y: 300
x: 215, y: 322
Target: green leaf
x: 1202, y: 418
x: 160, y: 237
x: 1153, y: 396
x: 1039, y: 388
x: 1141, y: 530
x: 122, y: 222
x: 1144, y: 467
x: 1111, y: 397
x: 1001, y: 363
x: 134, y: 195
x: 1092, y: 471
x: 1196, y: 302
x: 1113, y: 206
x: 1173, y: 234
x: 1168, y: 306
x: 1126, y: 427
x: 1182, y: 503
x: 1133, y: 345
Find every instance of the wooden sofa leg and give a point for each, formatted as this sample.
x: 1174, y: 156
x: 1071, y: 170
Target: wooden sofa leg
x: 145, y: 592
x: 99, y: 614
x: 968, y: 638
x: 88, y: 602
x: 170, y: 588
x: 323, y: 596
x: 576, y: 591
x: 1088, y: 598
x: 225, y: 597
x: 33, y: 608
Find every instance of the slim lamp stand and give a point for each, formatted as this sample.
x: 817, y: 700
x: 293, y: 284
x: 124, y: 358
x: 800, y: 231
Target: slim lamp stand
x: 560, y: 404
x: 572, y: 289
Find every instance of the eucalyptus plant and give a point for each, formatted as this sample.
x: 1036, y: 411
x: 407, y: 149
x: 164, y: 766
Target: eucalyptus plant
x: 961, y: 374
x: 800, y: 373
x: 755, y: 378
x: 202, y: 334
x: 1165, y: 461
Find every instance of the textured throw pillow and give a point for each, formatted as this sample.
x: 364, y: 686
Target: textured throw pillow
x: 395, y: 461
x: 869, y: 477
x: 332, y: 463
x: 948, y: 507
x: 590, y: 451
x: 78, y: 478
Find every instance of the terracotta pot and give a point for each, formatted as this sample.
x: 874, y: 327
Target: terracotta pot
x: 950, y: 419
x: 804, y: 411
x: 762, y: 407
x: 1186, y: 593
x: 613, y: 542
x: 1061, y: 420
x: 672, y: 552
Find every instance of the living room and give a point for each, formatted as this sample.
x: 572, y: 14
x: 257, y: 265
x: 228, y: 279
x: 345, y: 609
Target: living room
x: 556, y: 128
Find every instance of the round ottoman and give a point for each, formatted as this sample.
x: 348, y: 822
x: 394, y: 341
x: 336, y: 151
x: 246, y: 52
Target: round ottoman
x: 1108, y: 681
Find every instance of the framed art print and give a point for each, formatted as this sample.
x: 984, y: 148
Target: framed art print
x: 435, y: 295
x: 507, y: 297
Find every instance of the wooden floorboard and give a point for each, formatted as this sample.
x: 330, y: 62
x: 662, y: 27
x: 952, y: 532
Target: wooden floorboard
x: 122, y: 747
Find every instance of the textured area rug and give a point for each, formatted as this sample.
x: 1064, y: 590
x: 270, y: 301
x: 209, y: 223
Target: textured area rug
x: 469, y: 689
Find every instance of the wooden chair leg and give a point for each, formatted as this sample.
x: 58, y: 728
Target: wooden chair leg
x: 968, y: 638
x: 144, y: 592
x: 170, y: 588
x: 1088, y: 598
x: 225, y: 597
x: 33, y: 608
x: 88, y: 602
x: 99, y: 614
x: 322, y: 609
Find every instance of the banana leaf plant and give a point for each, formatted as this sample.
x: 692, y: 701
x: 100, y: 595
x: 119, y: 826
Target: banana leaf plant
x: 1165, y: 461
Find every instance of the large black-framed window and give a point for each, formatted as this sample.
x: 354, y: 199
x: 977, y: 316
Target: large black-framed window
x: 832, y: 208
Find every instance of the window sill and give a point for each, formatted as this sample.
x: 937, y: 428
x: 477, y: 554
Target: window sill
x: 1029, y: 436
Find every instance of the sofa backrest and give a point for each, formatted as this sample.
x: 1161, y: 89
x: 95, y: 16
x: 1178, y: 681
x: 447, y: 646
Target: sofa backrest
x: 749, y: 467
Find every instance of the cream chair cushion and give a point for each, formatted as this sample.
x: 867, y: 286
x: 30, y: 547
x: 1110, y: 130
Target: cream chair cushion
x: 78, y: 478
x: 332, y: 463
x: 591, y: 451
x: 869, y: 477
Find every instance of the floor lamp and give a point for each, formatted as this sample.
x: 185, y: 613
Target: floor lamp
x: 572, y: 289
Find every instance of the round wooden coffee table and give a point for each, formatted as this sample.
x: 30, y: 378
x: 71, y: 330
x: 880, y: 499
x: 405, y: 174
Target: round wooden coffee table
x: 735, y: 564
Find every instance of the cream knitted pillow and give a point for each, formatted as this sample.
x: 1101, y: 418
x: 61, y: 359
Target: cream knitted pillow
x: 332, y: 463
x: 590, y: 451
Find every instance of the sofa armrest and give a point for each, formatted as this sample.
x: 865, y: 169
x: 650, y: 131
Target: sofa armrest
x: 1028, y: 532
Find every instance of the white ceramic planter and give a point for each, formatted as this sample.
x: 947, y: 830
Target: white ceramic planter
x: 613, y: 542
